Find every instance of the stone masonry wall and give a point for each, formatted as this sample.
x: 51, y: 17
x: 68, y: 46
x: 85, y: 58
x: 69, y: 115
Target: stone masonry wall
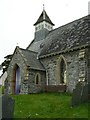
x: 88, y: 65
x: 32, y: 86
x: 74, y: 66
x: 16, y: 59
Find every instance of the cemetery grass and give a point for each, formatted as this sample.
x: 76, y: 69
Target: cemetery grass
x: 47, y: 105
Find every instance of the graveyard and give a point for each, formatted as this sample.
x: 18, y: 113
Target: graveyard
x: 48, y: 105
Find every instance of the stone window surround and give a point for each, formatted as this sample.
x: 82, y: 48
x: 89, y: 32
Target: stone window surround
x: 39, y: 80
x: 58, y: 69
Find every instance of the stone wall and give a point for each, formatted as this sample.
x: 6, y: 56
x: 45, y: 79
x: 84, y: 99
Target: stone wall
x: 32, y: 86
x: 88, y: 65
x: 28, y: 76
x: 77, y: 69
x: 16, y: 60
x: 41, y: 34
x: 73, y: 65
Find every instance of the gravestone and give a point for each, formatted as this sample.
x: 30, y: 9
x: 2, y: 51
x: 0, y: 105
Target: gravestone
x: 7, y: 104
x: 89, y: 91
x: 0, y: 108
x: 84, y: 95
x: 80, y: 94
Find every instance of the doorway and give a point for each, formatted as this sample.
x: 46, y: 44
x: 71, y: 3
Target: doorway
x: 16, y: 80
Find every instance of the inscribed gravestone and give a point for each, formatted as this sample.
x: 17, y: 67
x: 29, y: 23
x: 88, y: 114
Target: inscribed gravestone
x: 7, y: 106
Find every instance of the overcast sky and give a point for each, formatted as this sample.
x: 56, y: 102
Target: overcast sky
x: 18, y: 16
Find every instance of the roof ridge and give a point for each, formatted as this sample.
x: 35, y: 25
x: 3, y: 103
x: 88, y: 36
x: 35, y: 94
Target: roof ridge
x: 29, y: 50
x: 24, y: 58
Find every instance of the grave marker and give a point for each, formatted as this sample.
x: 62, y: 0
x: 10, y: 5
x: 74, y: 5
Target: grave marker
x: 7, y: 104
x: 80, y: 94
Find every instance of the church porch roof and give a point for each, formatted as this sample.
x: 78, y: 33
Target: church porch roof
x: 31, y: 59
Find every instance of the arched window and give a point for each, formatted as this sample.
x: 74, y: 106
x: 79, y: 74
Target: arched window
x: 37, y: 79
x: 61, y: 71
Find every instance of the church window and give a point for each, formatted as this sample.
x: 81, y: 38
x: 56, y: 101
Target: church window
x: 42, y: 26
x: 39, y: 26
x: 45, y: 25
x: 37, y: 79
x: 51, y: 28
x: 62, y: 71
x: 48, y: 26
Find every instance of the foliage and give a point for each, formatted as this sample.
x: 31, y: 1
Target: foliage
x: 6, y: 62
x: 47, y: 105
x: 1, y: 90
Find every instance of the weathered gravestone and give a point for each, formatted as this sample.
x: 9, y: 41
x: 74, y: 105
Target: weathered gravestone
x: 80, y: 94
x: 0, y: 108
x: 7, y: 104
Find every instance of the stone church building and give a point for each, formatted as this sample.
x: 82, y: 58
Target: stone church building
x: 55, y: 61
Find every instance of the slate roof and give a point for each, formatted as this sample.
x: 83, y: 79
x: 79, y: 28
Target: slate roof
x: 35, y: 46
x: 44, y: 17
x: 70, y: 36
x: 31, y: 60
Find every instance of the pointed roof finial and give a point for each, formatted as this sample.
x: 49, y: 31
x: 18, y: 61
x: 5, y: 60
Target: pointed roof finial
x: 43, y: 7
x: 17, y: 44
x: 43, y: 12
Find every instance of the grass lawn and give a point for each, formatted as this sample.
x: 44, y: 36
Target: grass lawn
x: 47, y: 105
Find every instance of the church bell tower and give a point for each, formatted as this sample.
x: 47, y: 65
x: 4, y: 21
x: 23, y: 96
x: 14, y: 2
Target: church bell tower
x: 43, y: 26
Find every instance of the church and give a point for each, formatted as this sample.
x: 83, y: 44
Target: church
x: 55, y: 61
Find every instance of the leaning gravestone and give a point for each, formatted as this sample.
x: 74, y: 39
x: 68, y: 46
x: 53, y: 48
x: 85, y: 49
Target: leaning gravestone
x: 7, y: 104
x: 80, y: 94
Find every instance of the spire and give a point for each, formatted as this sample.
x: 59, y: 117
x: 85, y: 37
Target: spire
x: 44, y: 17
x: 43, y: 26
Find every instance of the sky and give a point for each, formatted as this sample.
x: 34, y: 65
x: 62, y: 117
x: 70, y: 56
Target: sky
x: 18, y: 16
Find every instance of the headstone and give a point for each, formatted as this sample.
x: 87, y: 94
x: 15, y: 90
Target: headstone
x: 89, y: 91
x: 7, y: 107
x: 88, y: 88
x: 84, y: 94
x: 76, y: 95
x: 0, y: 107
x: 80, y: 94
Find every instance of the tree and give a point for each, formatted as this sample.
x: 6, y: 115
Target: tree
x: 6, y: 62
